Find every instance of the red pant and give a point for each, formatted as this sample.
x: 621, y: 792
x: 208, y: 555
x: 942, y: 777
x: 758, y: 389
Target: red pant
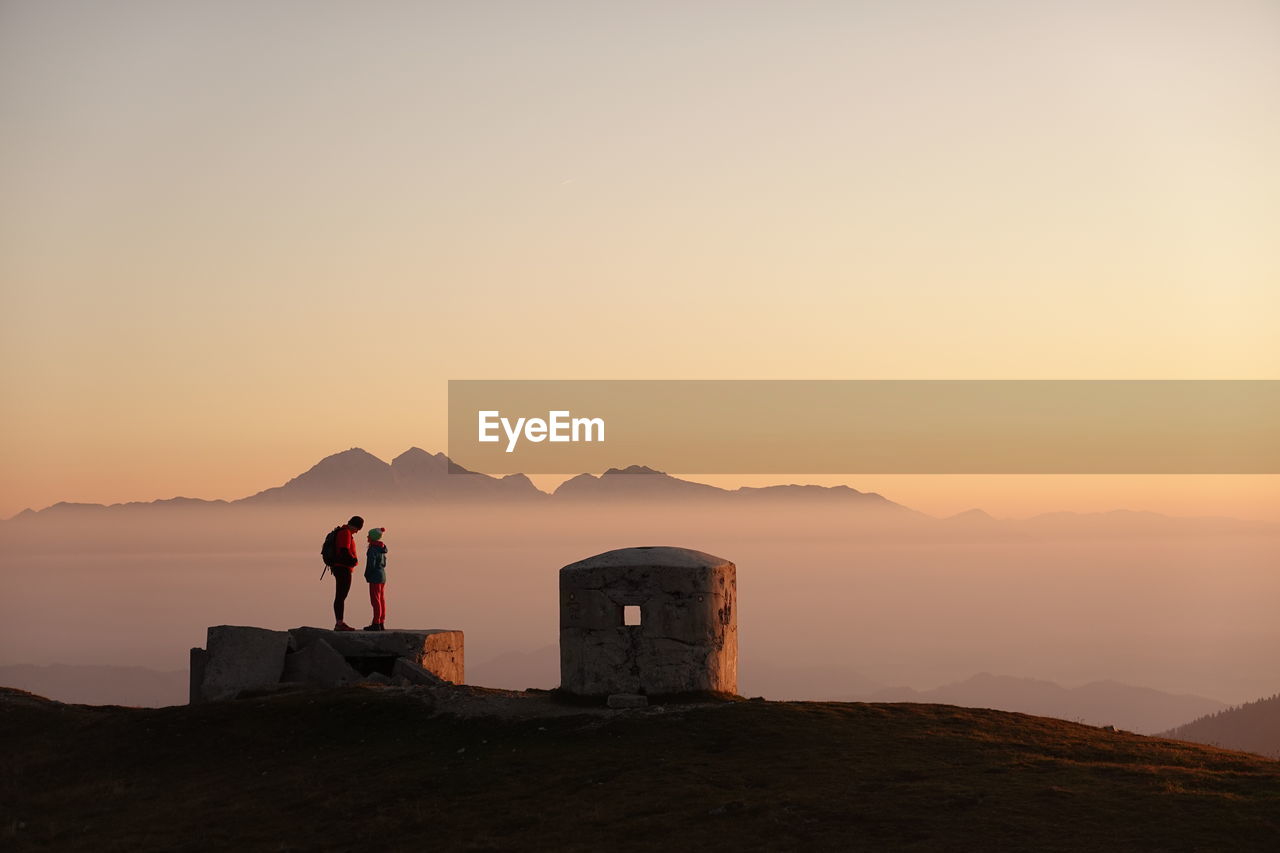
x: 377, y: 597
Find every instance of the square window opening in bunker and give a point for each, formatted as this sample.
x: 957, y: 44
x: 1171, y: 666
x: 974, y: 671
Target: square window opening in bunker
x: 631, y: 615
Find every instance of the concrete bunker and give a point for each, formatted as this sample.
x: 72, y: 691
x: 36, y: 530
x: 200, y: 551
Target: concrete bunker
x: 652, y: 620
x: 240, y: 658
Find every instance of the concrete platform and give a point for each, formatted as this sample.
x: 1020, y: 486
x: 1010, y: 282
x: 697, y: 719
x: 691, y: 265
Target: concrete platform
x: 242, y: 658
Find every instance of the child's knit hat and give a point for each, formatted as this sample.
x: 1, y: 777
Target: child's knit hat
x: 376, y: 533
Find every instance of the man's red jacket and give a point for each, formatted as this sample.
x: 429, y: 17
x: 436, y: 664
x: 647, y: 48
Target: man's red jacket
x: 345, y: 542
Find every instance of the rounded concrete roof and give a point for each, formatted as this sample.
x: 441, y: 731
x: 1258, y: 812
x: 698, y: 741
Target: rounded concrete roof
x: 649, y: 555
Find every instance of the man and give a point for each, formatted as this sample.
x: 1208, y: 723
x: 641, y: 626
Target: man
x: 341, y: 558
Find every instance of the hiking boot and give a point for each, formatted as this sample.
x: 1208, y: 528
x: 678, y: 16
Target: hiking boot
x: 343, y: 626
x: 376, y: 626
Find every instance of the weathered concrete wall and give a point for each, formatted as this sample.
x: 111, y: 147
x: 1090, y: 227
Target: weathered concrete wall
x: 241, y: 658
x: 414, y: 674
x: 437, y: 651
x: 199, y: 657
x: 244, y: 658
x: 320, y: 664
x: 687, y: 639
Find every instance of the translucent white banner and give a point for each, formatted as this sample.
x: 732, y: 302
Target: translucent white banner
x: 867, y: 426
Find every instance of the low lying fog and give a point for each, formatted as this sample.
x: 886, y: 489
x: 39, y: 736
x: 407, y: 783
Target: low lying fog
x: 828, y: 607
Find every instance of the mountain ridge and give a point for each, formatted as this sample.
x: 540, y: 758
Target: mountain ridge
x: 1107, y: 702
x: 419, y: 477
x: 1253, y: 727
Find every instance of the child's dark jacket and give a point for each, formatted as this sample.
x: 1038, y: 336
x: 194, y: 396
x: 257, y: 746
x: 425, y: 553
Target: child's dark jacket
x: 375, y: 563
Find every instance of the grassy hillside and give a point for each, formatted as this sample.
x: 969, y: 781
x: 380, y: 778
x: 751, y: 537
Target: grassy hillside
x: 421, y: 769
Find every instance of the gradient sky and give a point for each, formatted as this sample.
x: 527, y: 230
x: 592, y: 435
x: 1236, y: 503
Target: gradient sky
x: 238, y: 236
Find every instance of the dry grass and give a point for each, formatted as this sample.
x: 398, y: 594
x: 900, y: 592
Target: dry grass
x: 361, y: 769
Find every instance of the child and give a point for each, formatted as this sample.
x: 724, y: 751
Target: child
x: 375, y: 572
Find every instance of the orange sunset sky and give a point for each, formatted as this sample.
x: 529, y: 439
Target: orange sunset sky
x: 236, y: 237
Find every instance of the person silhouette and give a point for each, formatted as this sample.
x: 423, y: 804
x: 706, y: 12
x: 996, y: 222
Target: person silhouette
x: 375, y: 572
x: 341, y: 559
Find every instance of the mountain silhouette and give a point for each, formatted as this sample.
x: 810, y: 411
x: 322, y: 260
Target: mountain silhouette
x: 413, y: 476
x: 1136, y: 709
x: 355, y: 473
x: 970, y: 516
x: 419, y: 477
x: 638, y: 482
x: 1252, y: 727
x: 819, y: 495
x: 416, y: 476
x: 635, y: 481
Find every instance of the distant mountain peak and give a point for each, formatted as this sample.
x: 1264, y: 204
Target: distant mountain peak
x: 350, y: 456
x: 634, y: 469
x: 971, y: 515
x: 354, y: 473
x: 620, y: 483
x: 1140, y: 709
